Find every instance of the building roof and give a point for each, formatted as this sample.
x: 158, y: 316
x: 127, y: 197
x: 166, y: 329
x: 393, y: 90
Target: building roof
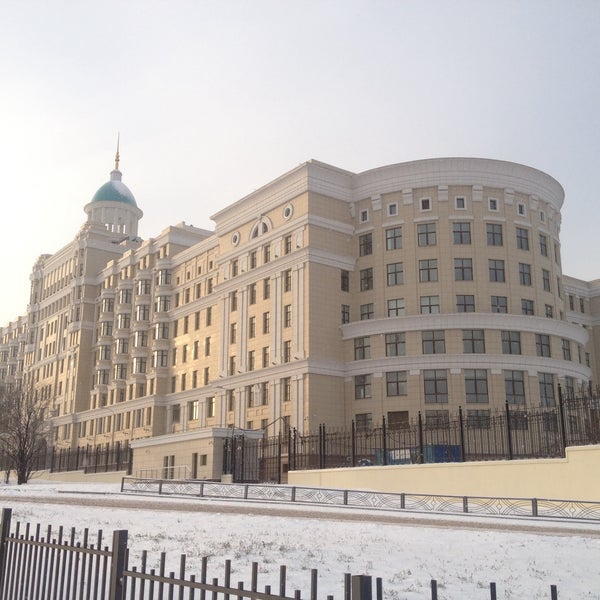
x: 114, y: 191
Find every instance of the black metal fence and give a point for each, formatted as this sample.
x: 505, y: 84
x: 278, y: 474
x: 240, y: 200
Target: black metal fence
x: 516, y: 432
x: 57, y: 566
x: 101, y: 459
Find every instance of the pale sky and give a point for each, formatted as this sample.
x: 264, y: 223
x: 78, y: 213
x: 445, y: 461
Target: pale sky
x: 215, y: 99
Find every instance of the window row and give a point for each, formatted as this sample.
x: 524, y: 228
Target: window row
x: 473, y: 342
x: 476, y: 387
x: 461, y: 235
x: 463, y: 271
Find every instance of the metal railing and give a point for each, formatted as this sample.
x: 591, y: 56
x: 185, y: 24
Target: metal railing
x: 474, y: 505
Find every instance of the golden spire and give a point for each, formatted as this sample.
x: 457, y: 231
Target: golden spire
x: 117, y: 154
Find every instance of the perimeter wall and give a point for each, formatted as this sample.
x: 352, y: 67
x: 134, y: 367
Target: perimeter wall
x: 576, y: 477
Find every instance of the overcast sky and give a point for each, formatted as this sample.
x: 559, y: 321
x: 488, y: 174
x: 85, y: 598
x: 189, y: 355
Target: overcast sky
x: 215, y: 99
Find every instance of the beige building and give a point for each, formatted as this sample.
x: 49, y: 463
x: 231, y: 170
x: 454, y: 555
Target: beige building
x: 323, y: 297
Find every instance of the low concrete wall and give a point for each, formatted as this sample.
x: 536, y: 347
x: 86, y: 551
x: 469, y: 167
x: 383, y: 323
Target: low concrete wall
x: 78, y: 477
x: 572, y: 478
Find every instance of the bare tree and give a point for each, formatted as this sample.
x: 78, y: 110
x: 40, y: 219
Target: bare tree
x: 23, y: 429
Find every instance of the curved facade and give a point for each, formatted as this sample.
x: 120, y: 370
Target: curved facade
x: 456, y: 294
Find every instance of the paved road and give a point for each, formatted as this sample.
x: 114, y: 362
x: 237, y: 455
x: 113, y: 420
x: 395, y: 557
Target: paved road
x: 406, y: 519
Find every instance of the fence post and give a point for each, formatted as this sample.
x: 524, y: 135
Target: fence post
x: 553, y: 592
x: 421, y: 457
x: 384, y: 441
x: 4, y: 531
x: 353, y: 441
x: 561, y: 416
x: 461, y: 432
x: 434, y: 594
x: 493, y: 591
x: 361, y: 587
x: 117, y: 564
x: 534, y: 507
x: 321, y: 446
x: 508, y: 432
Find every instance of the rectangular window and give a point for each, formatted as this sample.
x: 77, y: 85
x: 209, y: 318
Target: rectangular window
x: 252, y: 327
x: 265, y: 357
x: 362, y: 387
x: 514, y: 386
x: 266, y: 288
x: 392, y: 209
x: 428, y: 270
x: 478, y: 419
x: 437, y: 419
x: 493, y: 204
x: 395, y: 344
x: 393, y: 238
x: 206, y: 372
x: 207, y: 346
x: 429, y: 305
x: 287, y: 351
x: 345, y: 314
x: 251, y: 360
x: 395, y: 274
x: 397, y: 419
x: 499, y: 304
x: 426, y: 234
x: 209, y: 316
x: 287, y: 315
x: 546, y: 383
x: 543, y: 245
x: 461, y: 233
x: 366, y: 279
x: 287, y: 280
x: 433, y: 341
x: 460, y: 203
x: 365, y: 244
x: 425, y: 203
x: 266, y: 252
x: 364, y: 422
x: 193, y: 410
x: 287, y: 244
x: 252, y: 259
x: 546, y: 279
x: 476, y: 386
x: 364, y: 215
x: 473, y: 341
x: 527, y: 306
x: 232, y: 367
x: 549, y: 311
x: 344, y: 281
x: 524, y: 274
x: 396, y: 383
x: 366, y: 311
x: 435, y: 383
x: 494, y: 234
x: 465, y: 303
x: 496, y: 270
x: 463, y: 269
x: 362, y: 348
x: 522, y: 238
x: 252, y: 293
x: 542, y: 345
x: 571, y: 302
x: 266, y: 321
x: 511, y: 342
x: 395, y: 307
x: 566, y: 348
x: 232, y: 333
x: 286, y: 389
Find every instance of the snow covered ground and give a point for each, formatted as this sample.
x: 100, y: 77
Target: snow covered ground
x: 407, y: 555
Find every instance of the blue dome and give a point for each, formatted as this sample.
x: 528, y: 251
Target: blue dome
x: 115, y: 191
